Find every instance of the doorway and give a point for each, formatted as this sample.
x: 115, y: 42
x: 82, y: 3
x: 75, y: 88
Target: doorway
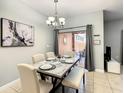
x: 72, y: 41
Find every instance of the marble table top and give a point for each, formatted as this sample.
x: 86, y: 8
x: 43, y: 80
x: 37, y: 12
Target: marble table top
x: 61, y: 67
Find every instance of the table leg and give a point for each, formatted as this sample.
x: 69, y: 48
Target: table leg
x: 56, y: 84
x: 63, y: 89
x: 52, y: 80
x: 42, y: 77
x: 84, y: 78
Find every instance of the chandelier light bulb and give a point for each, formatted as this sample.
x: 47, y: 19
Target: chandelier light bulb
x: 61, y: 19
x: 53, y: 24
x: 48, y: 22
x: 51, y: 19
x: 63, y: 23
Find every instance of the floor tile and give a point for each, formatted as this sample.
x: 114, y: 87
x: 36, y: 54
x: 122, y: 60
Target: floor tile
x: 100, y: 75
x: 101, y: 82
x: 89, y: 83
x: 89, y: 89
x: 116, y: 84
x: 89, y: 76
x: 102, y: 89
x: 117, y: 91
x: 113, y: 76
x: 115, y: 81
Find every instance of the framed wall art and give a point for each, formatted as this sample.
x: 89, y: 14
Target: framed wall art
x: 15, y: 34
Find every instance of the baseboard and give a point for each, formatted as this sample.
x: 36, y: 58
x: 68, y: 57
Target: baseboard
x: 99, y: 70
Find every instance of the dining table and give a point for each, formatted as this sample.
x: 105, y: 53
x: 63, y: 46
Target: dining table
x: 61, y: 67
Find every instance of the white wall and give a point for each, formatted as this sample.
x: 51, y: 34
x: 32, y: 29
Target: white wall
x: 113, y: 37
x: 11, y: 56
x: 97, y: 20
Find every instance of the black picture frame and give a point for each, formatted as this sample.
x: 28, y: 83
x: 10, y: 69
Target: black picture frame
x: 16, y: 34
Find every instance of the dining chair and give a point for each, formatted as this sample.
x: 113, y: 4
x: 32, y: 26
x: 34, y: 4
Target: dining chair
x: 38, y: 58
x: 50, y: 55
x: 73, y: 79
x: 30, y: 82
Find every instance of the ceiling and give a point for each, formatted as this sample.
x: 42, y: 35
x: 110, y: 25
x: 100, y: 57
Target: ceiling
x: 69, y: 8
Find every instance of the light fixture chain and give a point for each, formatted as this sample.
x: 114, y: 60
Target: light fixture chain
x: 56, y: 12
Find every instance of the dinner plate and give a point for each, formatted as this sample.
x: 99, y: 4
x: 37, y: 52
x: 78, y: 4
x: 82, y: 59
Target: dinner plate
x: 47, y: 67
x: 49, y: 59
x: 56, y: 63
x: 67, y: 56
x: 67, y: 62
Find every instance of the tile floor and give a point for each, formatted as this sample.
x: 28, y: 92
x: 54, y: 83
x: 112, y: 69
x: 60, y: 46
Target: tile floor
x: 104, y: 83
x: 99, y: 83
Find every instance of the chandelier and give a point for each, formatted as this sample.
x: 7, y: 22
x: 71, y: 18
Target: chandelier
x: 55, y: 21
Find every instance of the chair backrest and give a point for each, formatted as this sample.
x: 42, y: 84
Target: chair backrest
x: 69, y: 53
x: 50, y: 55
x: 38, y: 58
x: 29, y: 80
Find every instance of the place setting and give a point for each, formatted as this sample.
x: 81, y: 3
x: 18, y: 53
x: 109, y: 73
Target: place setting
x: 47, y: 67
x: 66, y: 60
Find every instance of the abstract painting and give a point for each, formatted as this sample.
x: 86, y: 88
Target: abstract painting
x: 15, y: 34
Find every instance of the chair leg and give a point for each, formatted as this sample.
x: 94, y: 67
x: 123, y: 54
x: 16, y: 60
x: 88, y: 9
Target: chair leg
x: 63, y: 90
x: 76, y: 90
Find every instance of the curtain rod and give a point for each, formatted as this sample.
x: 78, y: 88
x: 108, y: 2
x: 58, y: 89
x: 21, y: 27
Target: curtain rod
x: 73, y: 31
x: 72, y: 27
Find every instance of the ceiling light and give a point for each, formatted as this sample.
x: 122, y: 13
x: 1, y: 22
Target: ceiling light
x: 55, y: 21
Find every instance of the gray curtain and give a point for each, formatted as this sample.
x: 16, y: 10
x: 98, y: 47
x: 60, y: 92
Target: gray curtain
x: 89, y: 59
x: 56, y: 48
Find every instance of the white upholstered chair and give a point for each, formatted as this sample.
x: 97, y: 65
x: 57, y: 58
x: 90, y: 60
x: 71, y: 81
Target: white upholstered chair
x: 73, y: 79
x: 50, y: 56
x: 38, y: 58
x: 12, y: 87
x: 30, y: 82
